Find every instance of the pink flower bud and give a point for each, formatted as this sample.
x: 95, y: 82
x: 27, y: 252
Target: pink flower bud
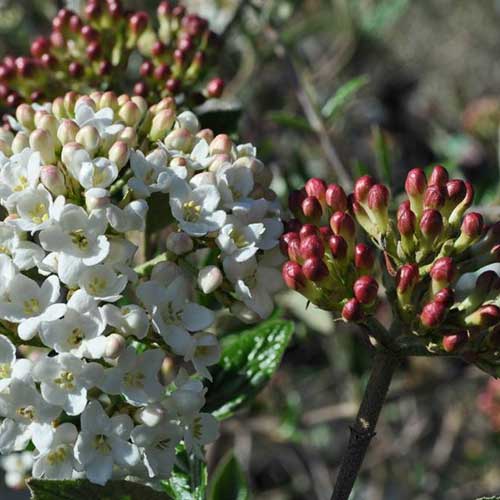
x: 25, y: 115
x: 293, y: 276
x: 415, y: 183
x: 407, y: 221
x: 484, y: 317
x: 343, y: 224
x: 179, y: 243
x: 89, y: 137
x: 67, y: 131
x: 364, y: 257
x: 406, y: 278
x: 316, y: 188
x: 325, y: 232
x: 180, y: 139
x: 336, y: 198
x: 311, y: 208
x: 455, y: 190
x: 294, y: 250
x: 445, y: 296
x: 161, y: 124
x: 433, y: 314
x: 312, y: 246
x: 308, y: 230
x: 285, y: 240
x: 115, y: 344
x: 215, y: 88
x: 431, y: 224
x: 365, y: 289
x: 452, y: 342
x: 42, y: 141
x: 210, y: 278
x: 138, y: 22
x: 352, y: 310
x: 221, y: 144
x: 338, y: 247
x: 361, y: 188
x: 130, y: 114
x: 53, y: 179
x: 315, y: 269
x: 439, y: 176
x: 295, y: 199
x: 443, y: 270
x: 472, y: 225
x: 119, y: 153
x: 434, y: 197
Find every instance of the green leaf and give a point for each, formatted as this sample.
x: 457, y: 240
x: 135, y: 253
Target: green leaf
x: 344, y: 96
x: 382, y: 153
x: 81, y: 489
x: 229, y: 481
x: 220, y: 116
x: 291, y: 121
x: 184, y: 485
x: 248, y: 361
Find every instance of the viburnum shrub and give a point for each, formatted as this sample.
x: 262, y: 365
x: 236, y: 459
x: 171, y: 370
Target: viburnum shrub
x: 346, y: 253
x: 92, y: 51
x: 102, y: 364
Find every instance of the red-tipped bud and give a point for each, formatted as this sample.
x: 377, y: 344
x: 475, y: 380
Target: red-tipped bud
x: 75, y: 69
x: 361, y: 188
x: 439, y: 176
x: 147, y: 68
x: 364, y: 257
x: 325, y: 232
x: 352, y: 310
x: 484, y: 317
x: 403, y: 207
x: 415, y: 183
x: 311, y: 208
x: 215, y: 88
x: 312, y: 246
x: 164, y: 9
x: 406, y: 278
x: 316, y: 188
x: 295, y: 199
x: 452, y: 342
x: 93, y: 50
x: 434, y: 197
x: 93, y: 10
x: 48, y: 61
x: 443, y: 270
x: 455, y: 190
x: 336, y: 198
x: 293, y: 276
x: 138, y: 22
x: 25, y: 67
x: 285, y: 240
x: 162, y: 71
x: 294, y: 250
x: 173, y: 85
x: 431, y: 223
x: 365, y: 289
x: 433, y: 314
x: 141, y: 89
x: 473, y: 225
x: 378, y: 197
x: 89, y: 33
x: 315, y: 269
x: 338, y: 247
x: 307, y: 230
x: 39, y: 46
x: 75, y: 24
x: 343, y: 224
x: 445, y: 296
x: 407, y: 222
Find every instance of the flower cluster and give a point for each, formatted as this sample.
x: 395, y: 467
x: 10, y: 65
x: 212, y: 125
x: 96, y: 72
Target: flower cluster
x: 326, y: 264
x: 92, y: 51
x: 101, y: 363
x: 429, y: 244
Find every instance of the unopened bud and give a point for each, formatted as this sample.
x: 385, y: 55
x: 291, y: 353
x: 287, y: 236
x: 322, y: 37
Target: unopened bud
x: 312, y: 246
x: 365, y: 289
x: 431, y: 225
x: 295, y: 199
x: 433, y: 314
x: 316, y: 188
x: 25, y: 115
x: 53, y: 179
x: 415, y: 186
x: 456, y: 191
x: 342, y: 224
x: 471, y: 230
x: 362, y: 187
x: 445, y: 296
x: 109, y: 100
x: 89, y: 137
x: 179, y: 243
x: 315, y: 269
x: 40, y: 140
x: 434, y: 197
x: 378, y: 203
x: 336, y: 198
x: 453, y: 341
x: 119, y: 153
x: 115, y: 344
x: 210, y: 278
x: 406, y: 222
x: 407, y: 278
x: 352, y: 310
x: 130, y: 114
x: 439, y: 176
x: 311, y: 208
x: 293, y: 276
x: 308, y: 230
x: 21, y: 141
x: 443, y: 273
x: 484, y: 317
x: 189, y: 121
x: 215, y: 88
x: 67, y: 131
x: 96, y: 198
x: 364, y: 257
x: 338, y: 247
x: 138, y: 22
x: 221, y: 144
x: 180, y: 139
x: 129, y: 136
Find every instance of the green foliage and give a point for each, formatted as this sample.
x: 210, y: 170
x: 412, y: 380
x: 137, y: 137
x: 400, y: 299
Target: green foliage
x: 188, y: 482
x: 291, y: 121
x: 82, y: 489
x: 229, y: 481
x: 248, y: 361
x: 343, y: 97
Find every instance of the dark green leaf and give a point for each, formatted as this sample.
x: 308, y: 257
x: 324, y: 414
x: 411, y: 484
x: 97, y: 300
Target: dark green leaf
x: 291, y: 121
x: 248, y: 361
x: 343, y: 97
x: 187, y: 486
x: 229, y: 481
x: 220, y: 116
x: 81, y: 489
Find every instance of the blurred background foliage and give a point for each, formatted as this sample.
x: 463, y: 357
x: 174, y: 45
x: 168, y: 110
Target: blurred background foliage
x: 339, y: 88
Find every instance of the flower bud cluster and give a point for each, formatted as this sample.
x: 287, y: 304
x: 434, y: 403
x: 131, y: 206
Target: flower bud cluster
x: 325, y: 264
x: 91, y: 51
x: 101, y: 365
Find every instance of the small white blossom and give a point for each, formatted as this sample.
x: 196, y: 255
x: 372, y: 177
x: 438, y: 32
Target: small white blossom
x: 102, y: 282
x: 127, y: 320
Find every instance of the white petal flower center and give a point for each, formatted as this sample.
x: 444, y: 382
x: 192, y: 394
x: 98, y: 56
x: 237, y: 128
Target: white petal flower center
x: 39, y: 213
x: 31, y: 307
x: 4, y: 370
x: 191, y: 211
x: 27, y: 412
x: 65, y: 380
x: 134, y: 380
x: 101, y: 444
x: 79, y: 239
x: 22, y: 184
x: 58, y: 456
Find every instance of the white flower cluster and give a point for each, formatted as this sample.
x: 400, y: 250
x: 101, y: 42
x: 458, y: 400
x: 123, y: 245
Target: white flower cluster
x: 87, y: 344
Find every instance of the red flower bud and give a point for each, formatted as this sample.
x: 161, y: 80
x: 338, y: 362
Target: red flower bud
x: 364, y: 257
x: 378, y: 197
x: 89, y: 33
x: 315, y: 269
x: 48, y: 61
x: 25, y: 67
x: 39, y: 46
x: 294, y: 250
x: 352, y: 310
x: 173, y: 85
x: 311, y: 208
x: 431, y: 223
x: 164, y: 9
x: 433, y: 314
x: 343, y: 224
x: 285, y: 240
x: 308, y: 230
x: 439, y: 176
x: 406, y: 222
x: 489, y: 315
x: 75, y: 69
x: 365, y: 289
x: 158, y: 48
x: 443, y: 270
x: 146, y: 69
x: 75, y: 24
x: 293, y: 276
x: 316, y: 188
x: 215, y: 88
x: 178, y: 11
x: 338, y: 247
x: 445, y: 296
x: 138, y: 22
x: 407, y: 277
x: 312, y: 246
x: 361, y: 188
x: 472, y: 225
x: 434, y: 196
x: 105, y: 68
x: 93, y: 50
x: 162, y: 71
x: 325, y: 232
x: 415, y: 183
x: 92, y: 10
x: 141, y: 89
x: 452, y: 342
x: 295, y: 199
x: 455, y: 189
x: 336, y: 198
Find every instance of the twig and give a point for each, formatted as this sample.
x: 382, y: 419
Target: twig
x: 363, y: 430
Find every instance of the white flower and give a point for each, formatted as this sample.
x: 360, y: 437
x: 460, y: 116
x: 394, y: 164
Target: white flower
x: 10, y: 367
x: 196, y: 209
x: 102, y: 120
x: 14, y: 436
x: 235, y: 183
x: 17, y: 467
x: 136, y: 376
x: 29, y: 304
x: 240, y: 241
x: 65, y: 379
x: 21, y: 171
x: 173, y: 315
x: 55, y: 458
x: 102, y: 283
x: 97, y: 173
x: 206, y: 352
x: 130, y: 218
x: 127, y: 320
x: 80, y: 331
x: 199, y: 431
x: 8, y: 271
x: 79, y: 240
x: 157, y: 445
x: 25, y: 254
x: 104, y: 441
